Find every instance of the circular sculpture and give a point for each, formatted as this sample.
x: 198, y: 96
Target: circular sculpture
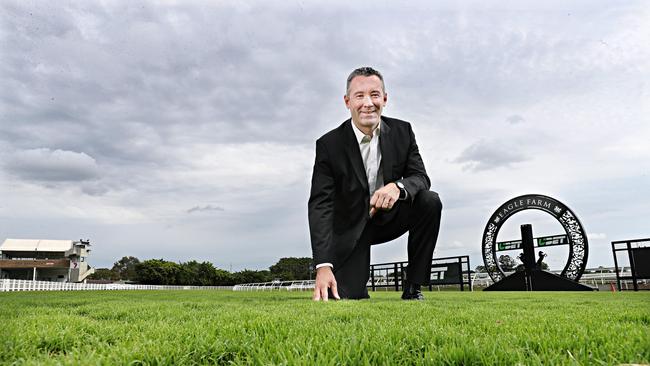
x: 575, y: 232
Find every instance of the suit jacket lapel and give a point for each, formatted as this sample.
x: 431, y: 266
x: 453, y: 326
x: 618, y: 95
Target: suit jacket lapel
x: 386, y: 150
x: 354, y: 154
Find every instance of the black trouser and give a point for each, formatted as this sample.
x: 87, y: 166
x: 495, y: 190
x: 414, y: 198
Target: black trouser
x: 421, y: 218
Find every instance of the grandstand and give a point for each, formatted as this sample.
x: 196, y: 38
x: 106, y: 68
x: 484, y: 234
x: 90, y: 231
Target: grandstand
x: 45, y: 260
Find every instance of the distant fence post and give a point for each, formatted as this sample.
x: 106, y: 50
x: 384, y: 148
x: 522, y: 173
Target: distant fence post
x: 460, y: 274
x: 396, y: 278
x: 618, y: 277
x: 631, y: 258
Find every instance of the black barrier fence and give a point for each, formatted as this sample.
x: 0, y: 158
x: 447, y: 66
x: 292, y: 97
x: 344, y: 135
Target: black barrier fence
x: 638, y: 256
x: 444, y: 271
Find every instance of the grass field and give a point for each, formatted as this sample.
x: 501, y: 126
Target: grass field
x: 224, y: 327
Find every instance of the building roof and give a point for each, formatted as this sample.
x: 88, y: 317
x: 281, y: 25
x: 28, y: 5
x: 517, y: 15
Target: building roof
x: 35, y: 245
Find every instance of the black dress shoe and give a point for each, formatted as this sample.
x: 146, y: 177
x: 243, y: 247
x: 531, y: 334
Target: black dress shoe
x: 412, y: 292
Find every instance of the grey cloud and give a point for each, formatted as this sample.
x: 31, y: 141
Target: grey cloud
x: 485, y: 155
x: 45, y: 165
x: 206, y: 76
x: 205, y: 208
x: 235, y: 73
x: 515, y: 119
x: 94, y: 188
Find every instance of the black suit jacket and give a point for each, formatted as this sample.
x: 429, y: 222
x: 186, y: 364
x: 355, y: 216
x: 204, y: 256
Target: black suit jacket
x: 339, y: 203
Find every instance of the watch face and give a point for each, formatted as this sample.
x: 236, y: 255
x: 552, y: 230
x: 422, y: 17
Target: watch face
x: 402, y: 190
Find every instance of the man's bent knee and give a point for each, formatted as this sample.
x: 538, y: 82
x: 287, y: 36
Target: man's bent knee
x: 429, y: 199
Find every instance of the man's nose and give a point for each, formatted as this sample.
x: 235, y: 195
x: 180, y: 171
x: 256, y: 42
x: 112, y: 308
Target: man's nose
x: 367, y: 101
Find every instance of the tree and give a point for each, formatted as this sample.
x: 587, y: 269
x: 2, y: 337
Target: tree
x: 249, y: 276
x: 484, y: 269
x: 206, y: 274
x: 291, y: 268
x: 192, y: 273
x: 125, y: 268
x: 188, y: 274
x: 223, y: 278
x: 506, y: 263
x: 104, y: 274
x: 157, y: 272
x: 201, y: 274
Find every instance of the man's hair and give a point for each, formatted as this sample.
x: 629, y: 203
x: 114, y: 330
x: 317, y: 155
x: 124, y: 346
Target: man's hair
x: 364, y: 71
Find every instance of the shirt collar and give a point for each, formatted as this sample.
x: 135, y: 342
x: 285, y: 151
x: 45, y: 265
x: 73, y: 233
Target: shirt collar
x: 360, y: 135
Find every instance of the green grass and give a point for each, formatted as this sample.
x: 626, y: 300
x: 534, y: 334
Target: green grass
x: 224, y: 327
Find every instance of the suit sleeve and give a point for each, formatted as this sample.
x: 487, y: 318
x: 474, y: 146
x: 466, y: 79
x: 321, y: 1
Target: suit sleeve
x: 321, y: 207
x: 415, y: 175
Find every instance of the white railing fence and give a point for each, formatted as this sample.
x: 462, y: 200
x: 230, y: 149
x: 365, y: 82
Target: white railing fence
x: 276, y: 285
x: 601, y: 280
x: 27, y: 285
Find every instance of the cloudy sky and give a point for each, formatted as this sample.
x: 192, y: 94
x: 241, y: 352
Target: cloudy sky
x: 186, y: 130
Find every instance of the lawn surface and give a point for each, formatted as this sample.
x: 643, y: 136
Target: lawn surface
x: 225, y: 327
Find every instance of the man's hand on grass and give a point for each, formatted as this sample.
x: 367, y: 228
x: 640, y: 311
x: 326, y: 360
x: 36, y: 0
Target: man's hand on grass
x: 325, y: 279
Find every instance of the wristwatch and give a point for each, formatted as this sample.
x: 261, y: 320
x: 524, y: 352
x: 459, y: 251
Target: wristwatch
x: 402, y: 190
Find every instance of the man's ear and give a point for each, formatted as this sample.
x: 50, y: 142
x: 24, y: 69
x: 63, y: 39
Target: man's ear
x: 346, y: 99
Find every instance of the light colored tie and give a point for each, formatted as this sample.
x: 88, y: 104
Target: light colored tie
x: 371, y: 156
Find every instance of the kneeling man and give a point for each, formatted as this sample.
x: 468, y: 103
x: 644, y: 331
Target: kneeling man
x: 369, y: 186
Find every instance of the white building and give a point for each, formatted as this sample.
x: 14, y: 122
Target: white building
x: 45, y: 260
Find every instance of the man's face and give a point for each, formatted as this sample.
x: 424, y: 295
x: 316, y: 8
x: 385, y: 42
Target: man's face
x: 365, y: 100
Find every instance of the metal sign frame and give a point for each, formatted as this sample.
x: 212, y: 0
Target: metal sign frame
x: 630, y: 247
x: 393, y: 273
x: 578, y: 243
